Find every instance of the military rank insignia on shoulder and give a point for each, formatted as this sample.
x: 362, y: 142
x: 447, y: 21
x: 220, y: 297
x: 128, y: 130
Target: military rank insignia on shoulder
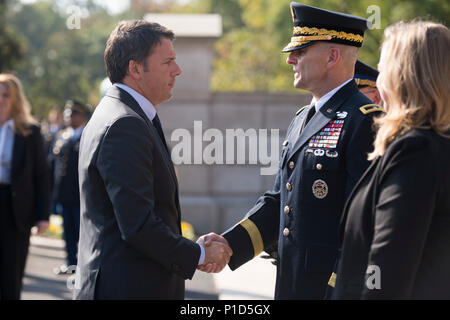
x: 369, y: 108
x: 300, y: 110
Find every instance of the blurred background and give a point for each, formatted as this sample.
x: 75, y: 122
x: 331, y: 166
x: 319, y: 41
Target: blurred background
x: 234, y: 76
x: 55, y: 62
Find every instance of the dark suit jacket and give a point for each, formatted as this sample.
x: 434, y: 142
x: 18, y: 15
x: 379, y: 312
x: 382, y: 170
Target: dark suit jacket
x: 130, y: 235
x: 30, y: 182
x: 398, y: 219
x: 303, y: 210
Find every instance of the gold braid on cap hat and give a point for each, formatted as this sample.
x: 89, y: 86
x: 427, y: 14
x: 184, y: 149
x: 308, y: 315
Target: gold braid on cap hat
x: 304, y: 35
x: 301, y: 31
x: 365, y: 82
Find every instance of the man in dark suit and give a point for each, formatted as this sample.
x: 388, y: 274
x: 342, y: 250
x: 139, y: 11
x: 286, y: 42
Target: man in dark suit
x: 323, y: 156
x: 63, y: 162
x: 131, y: 245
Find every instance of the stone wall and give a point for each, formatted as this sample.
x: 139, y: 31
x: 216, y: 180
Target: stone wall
x: 214, y: 197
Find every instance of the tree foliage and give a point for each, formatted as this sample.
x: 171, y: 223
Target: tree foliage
x: 249, y: 58
x: 12, y: 45
x: 56, y: 62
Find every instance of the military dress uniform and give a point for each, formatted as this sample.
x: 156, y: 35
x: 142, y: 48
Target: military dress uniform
x: 365, y: 76
x: 63, y: 160
x: 323, y: 156
x: 64, y: 156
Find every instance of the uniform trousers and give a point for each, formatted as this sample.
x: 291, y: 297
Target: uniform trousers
x: 71, y: 224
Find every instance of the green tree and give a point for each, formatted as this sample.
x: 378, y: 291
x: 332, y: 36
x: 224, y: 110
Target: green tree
x: 253, y: 51
x: 230, y: 10
x: 60, y: 63
x: 56, y: 63
x: 249, y: 58
x: 12, y: 45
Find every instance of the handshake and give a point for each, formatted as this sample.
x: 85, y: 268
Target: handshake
x: 217, y: 253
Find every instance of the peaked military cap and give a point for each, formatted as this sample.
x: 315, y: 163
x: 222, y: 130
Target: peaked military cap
x: 313, y: 24
x: 74, y: 106
x: 365, y: 76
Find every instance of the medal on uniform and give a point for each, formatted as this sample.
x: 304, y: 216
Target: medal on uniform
x: 328, y: 137
x: 341, y: 114
x: 331, y: 153
x: 319, y: 152
x: 320, y: 189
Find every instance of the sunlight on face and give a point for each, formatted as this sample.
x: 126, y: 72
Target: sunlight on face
x: 160, y: 72
x: 5, y: 103
x: 308, y: 65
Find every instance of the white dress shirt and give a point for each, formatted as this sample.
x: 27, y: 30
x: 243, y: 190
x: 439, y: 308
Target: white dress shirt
x: 324, y: 99
x: 6, y: 150
x: 142, y: 101
x: 150, y: 112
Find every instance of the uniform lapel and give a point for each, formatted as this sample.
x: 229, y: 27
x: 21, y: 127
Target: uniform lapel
x: 317, y: 122
x: 125, y: 97
x: 299, y: 125
x: 326, y: 113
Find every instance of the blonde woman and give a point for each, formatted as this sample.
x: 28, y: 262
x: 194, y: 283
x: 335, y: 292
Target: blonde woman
x: 395, y: 232
x: 24, y: 184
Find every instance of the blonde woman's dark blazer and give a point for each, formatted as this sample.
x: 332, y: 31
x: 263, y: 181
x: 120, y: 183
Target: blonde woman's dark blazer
x: 30, y: 180
x: 398, y: 220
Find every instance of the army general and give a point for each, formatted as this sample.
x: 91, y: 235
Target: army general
x: 323, y: 156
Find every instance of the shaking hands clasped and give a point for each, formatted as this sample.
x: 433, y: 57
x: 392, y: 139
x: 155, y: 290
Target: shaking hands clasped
x: 217, y: 253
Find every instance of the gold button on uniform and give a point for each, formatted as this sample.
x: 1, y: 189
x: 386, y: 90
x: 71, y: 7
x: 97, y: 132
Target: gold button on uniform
x: 291, y: 165
x: 288, y: 186
x: 319, y: 166
x: 287, y: 209
x: 285, y: 232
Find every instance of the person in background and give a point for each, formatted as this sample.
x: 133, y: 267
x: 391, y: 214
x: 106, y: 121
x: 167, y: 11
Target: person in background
x: 394, y: 236
x: 63, y: 161
x: 24, y: 184
x: 131, y: 245
x: 50, y: 128
x: 366, y: 79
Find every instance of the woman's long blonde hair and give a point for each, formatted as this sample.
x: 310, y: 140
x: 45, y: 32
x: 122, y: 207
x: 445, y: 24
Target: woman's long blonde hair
x: 414, y: 81
x: 21, y: 110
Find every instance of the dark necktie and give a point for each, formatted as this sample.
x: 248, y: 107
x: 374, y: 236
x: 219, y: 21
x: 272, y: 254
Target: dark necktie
x: 159, y: 129
x: 309, y: 116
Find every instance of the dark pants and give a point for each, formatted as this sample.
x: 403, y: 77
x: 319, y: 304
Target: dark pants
x: 13, y: 249
x: 71, y: 224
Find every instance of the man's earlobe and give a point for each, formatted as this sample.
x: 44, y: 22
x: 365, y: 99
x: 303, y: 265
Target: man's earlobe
x: 133, y: 69
x: 333, y: 56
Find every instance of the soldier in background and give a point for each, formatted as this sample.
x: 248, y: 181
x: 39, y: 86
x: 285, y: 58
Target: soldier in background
x: 366, y: 79
x: 50, y: 128
x: 63, y: 161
